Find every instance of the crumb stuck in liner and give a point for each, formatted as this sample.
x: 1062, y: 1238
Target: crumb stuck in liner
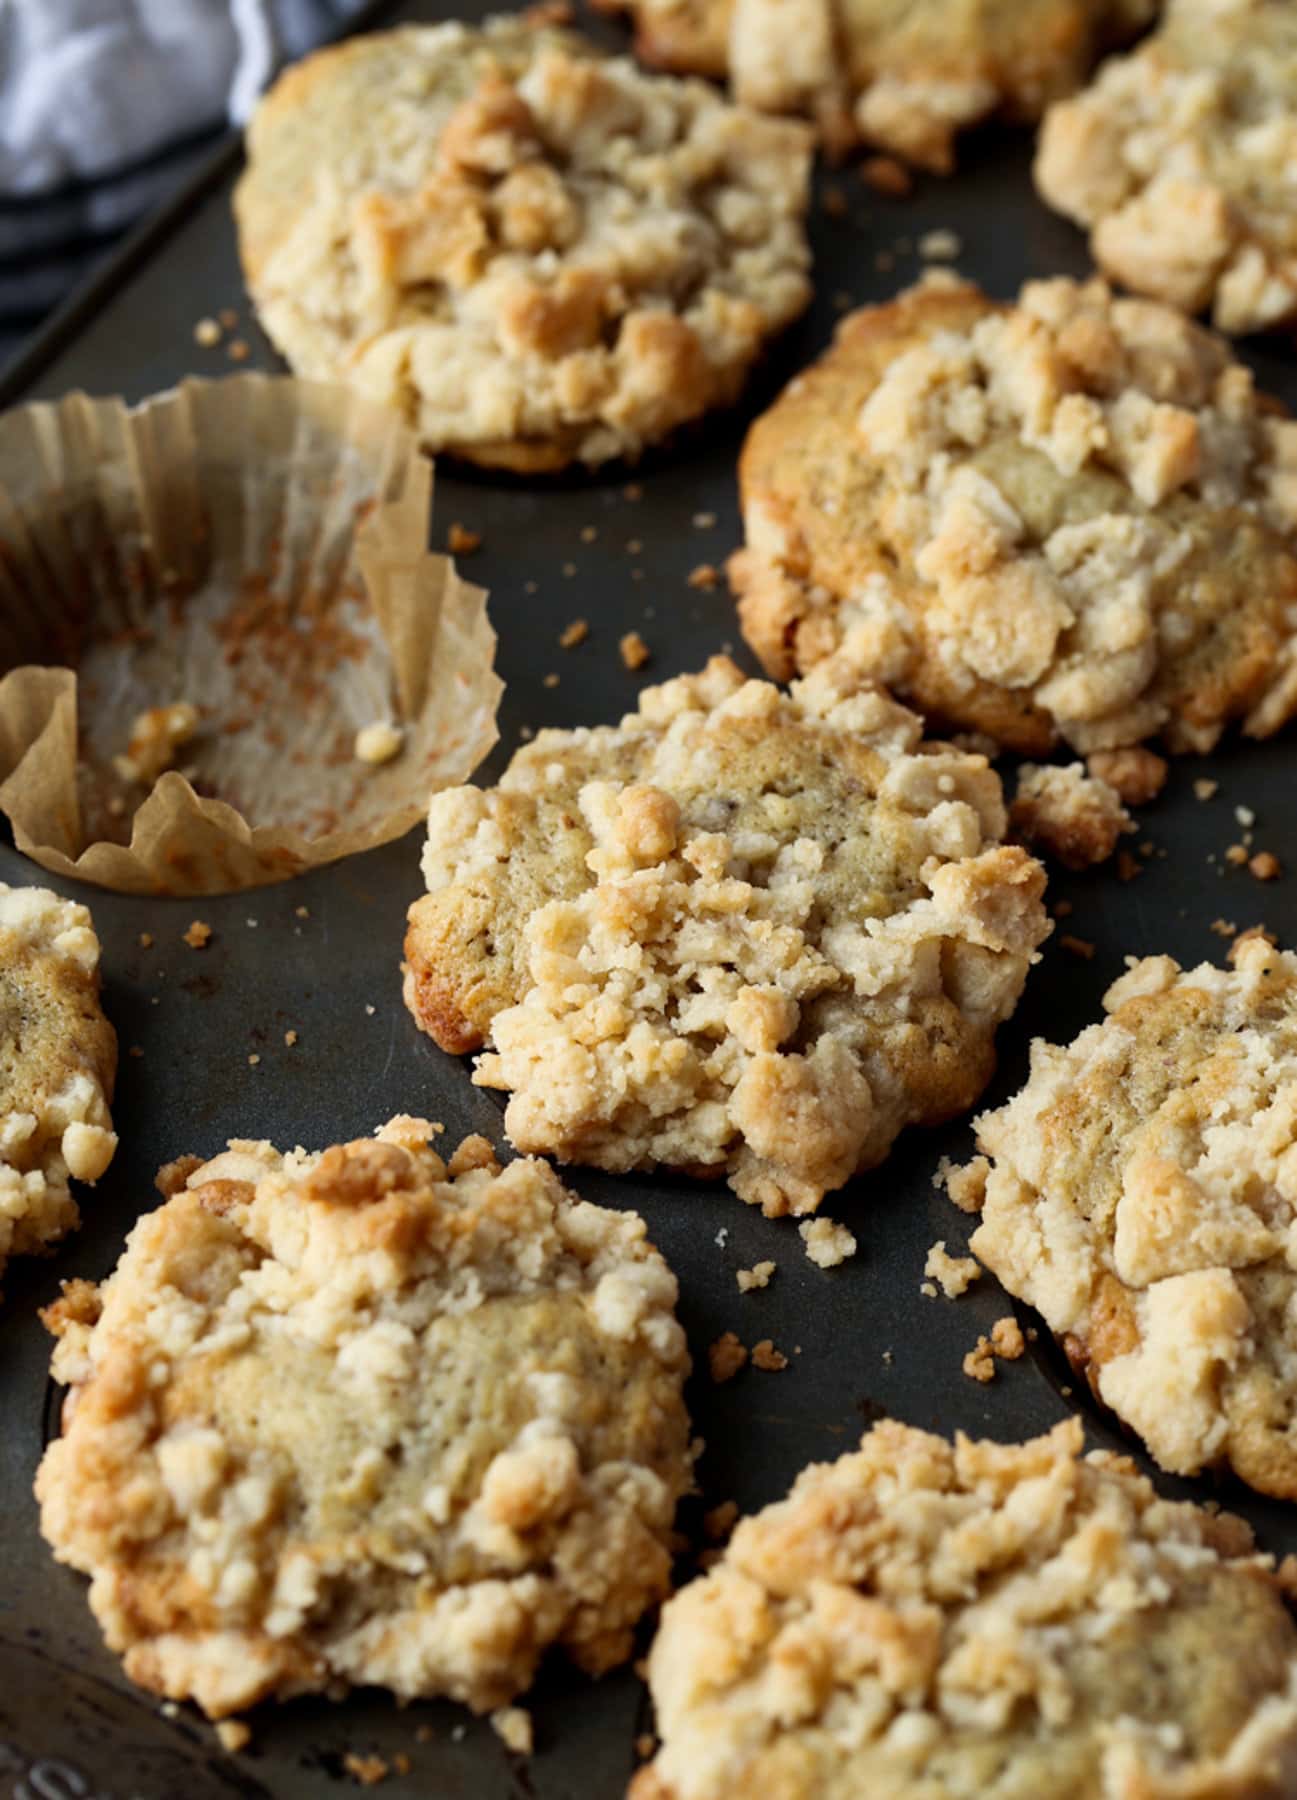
x: 235, y: 576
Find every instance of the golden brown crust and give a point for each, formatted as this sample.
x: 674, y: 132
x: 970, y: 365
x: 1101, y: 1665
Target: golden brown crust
x: 1072, y: 517
x: 927, y: 1621
x: 488, y: 228
x: 366, y: 1417
x: 1142, y: 1196
x: 741, y: 932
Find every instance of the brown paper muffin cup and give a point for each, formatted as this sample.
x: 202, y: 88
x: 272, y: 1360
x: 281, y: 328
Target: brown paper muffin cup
x: 254, y: 547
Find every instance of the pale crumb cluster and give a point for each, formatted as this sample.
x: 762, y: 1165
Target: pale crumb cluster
x: 536, y: 254
x: 513, y: 1726
x: 1005, y: 1342
x: 1016, y: 516
x: 369, y: 1417
x: 827, y: 1243
x: 758, y: 1276
x: 1076, y: 818
x: 1141, y: 1193
x: 923, y: 1618
x: 744, y: 932
x: 379, y: 742
x: 58, y: 1060
x: 954, y: 1274
x: 1179, y: 158
x: 158, y: 734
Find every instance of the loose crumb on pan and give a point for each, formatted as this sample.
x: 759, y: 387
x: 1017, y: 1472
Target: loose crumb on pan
x: 827, y: 1243
x: 885, y: 175
x: 460, y: 541
x: 726, y: 1357
x: 758, y: 1276
x: 234, y: 1735
x: 1136, y: 774
x: 145, y: 940
x: 207, y: 332
x: 512, y: 1725
x: 1007, y: 1340
x: 1127, y: 866
x: 367, y: 1770
x: 1265, y: 866
x: 199, y: 934
x: 634, y: 651
x: 955, y: 1274
x: 765, y: 1356
x: 550, y: 680
x: 1074, y: 817
x: 238, y: 350
x: 704, y: 521
x: 1077, y: 946
x: 941, y: 245
x: 1205, y: 788
x: 979, y: 1364
x: 704, y: 575
x: 575, y: 632
x: 720, y: 1521
x: 290, y: 1038
x: 379, y: 743
x: 228, y: 318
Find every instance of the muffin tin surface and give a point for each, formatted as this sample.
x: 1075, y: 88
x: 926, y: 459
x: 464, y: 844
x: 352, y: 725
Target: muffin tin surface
x: 861, y: 1339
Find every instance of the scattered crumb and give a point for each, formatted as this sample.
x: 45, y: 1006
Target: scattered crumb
x: 725, y: 1357
x: 1127, y: 866
x: 254, y: 1059
x: 704, y: 521
x: 765, y: 1356
x: 1007, y: 1339
x: 198, y: 935
x: 634, y: 651
x: 979, y: 1364
x: 928, y: 1289
x: 705, y: 575
x: 234, y: 1734
x: 1245, y: 816
x: 1071, y: 815
x: 722, y: 1235
x: 290, y: 1038
x: 569, y: 569
x: 758, y: 1276
x: 207, y: 332
x: 367, y: 1770
x: 302, y: 912
x: 940, y: 246
x: 378, y: 743
x: 424, y: 1734
x: 646, y: 1743
x: 169, y: 1709
x: 460, y: 541
x: 238, y: 350
x: 719, y: 1522
x: 228, y: 317
x: 157, y: 734
x: 512, y: 1725
x: 1076, y: 946
x: 1204, y: 787
x: 632, y: 491
x: 1265, y: 866
x: 401, y: 1763
x: 956, y: 1274
x: 531, y: 587
x: 827, y: 1243
x: 550, y: 680
x: 589, y: 533
x: 135, y: 1050
x: 885, y: 175
x: 573, y: 633
x: 966, y: 1186
x: 145, y: 940
x: 1246, y: 937
x: 370, y: 1009
x: 834, y: 203
x: 1236, y: 854
x: 634, y: 546
x: 1137, y: 775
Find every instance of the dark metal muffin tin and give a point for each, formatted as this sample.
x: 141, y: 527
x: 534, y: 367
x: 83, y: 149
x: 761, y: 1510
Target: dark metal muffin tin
x: 861, y: 1340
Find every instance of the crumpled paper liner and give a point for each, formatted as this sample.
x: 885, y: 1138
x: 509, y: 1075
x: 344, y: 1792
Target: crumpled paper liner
x: 256, y: 546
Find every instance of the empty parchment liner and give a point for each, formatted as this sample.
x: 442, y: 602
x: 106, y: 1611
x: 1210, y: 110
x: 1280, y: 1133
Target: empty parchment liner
x: 255, y: 548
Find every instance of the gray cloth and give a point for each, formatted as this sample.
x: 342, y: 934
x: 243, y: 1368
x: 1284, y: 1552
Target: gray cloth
x: 106, y: 105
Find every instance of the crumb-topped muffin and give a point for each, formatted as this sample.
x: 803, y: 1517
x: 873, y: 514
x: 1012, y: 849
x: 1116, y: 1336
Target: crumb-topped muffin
x: 538, y: 255
x: 1072, y: 518
x: 742, y: 933
x: 368, y: 1417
